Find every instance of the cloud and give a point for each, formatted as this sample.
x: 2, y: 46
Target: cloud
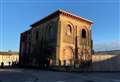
x: 106, y: 46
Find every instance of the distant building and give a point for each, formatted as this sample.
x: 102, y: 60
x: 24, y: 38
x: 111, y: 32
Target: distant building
x: 60, y: 39
x: 8, y: 58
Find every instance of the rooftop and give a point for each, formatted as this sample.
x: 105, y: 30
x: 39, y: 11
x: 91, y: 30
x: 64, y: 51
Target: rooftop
x: 60, y: 11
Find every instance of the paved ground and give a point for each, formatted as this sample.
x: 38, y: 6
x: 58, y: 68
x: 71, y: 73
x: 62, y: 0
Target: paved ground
x: 23, y: 75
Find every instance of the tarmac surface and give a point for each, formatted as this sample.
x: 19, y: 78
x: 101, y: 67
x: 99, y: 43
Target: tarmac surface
x: 32, y: 75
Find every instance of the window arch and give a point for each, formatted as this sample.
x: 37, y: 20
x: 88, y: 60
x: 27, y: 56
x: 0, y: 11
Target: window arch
x: 68, y: 30
x: 83, y: 33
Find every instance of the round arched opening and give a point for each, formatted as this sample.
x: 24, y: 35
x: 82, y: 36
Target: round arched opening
x: 68, y: 56
x: 83, y: 33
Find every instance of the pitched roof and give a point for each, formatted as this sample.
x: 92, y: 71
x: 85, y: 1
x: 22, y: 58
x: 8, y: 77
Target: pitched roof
x: 56, y: 13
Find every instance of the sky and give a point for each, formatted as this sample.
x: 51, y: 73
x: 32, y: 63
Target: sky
x: 16, y: 16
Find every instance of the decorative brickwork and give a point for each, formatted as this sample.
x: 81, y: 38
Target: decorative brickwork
x: 60, y: 39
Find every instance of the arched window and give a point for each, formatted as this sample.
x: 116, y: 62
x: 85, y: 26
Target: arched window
x: 83, y: 33
x: 68, y: 30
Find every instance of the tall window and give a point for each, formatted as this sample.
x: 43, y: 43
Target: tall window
x: 68, y: 30
x: 37, y: 35
x: 83, y: 33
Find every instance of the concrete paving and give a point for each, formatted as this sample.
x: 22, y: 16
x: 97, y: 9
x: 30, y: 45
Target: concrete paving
x: 24, y: 75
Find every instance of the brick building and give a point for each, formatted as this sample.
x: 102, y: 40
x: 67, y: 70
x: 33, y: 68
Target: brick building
x: 59, y: 39
x: 8, y: 58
